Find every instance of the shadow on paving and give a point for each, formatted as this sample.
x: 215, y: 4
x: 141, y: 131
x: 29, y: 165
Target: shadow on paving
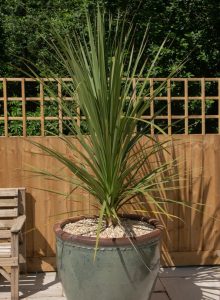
x: 34, y: 285
x: 183, y: 283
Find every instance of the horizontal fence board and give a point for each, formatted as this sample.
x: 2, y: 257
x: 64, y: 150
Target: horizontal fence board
x: 4, y: 202
x: 6, y: 223
x: 9, y: 192
x: 8, y: 262
x: 5, y: 234
x: 191, y: 258
x: 7, y: 213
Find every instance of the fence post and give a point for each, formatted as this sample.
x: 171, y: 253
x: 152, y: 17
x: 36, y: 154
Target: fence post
x: 186, y: 111
x: 169, y: 107
x: 23, y: 107
x: 60, y: 106
x: 42, y: 106
x: 203, y: 104
x: 152, y: 104
x: 5, y: 99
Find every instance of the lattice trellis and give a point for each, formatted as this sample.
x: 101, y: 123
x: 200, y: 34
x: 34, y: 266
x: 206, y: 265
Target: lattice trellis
x: 185, y: 105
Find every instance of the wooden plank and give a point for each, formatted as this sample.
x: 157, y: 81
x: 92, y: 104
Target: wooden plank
x: 14, y: 269
x: 53, y: 205
x: 33, y: 98
x: 5, y: 234
x: 5, y: 249
x: 5, y: 254
x: 60, y: 106
x: 197, y: 193
x: 42, y: 107
x: 190, y: 258
x: 31, y: 197
x: 70, y: 79
x: 18, y: 224
x: 13, y: 79
x: 6, y: 223
x: 22, y: 202
x: 14, y: 99
x: 219, y: 106
x: 7, y: 245
x: 23, y: 107
x: 186, y: 112
x: 22, y: 260
x: 203, y: 104
x: 211, y: 210
x: 39, y: 264
x: 4, y: 213
x: 8, y: 192
x: 134, y: 96
x: 8, y: 202
x: 22, y: 245
x: 7, y: 262
x: 169, y: 107
x: 152, y: 103
x: 214, y: 199
x: 15, y: 118
x: 5, y: 107
x: 172, y: 208
x: 5, y: 274
x: 182, y: 154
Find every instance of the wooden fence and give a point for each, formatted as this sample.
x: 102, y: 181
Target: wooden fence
x: 194, y: 239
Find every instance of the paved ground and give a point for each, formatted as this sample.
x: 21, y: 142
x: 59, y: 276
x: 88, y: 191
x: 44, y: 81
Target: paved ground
x: 198, y: 283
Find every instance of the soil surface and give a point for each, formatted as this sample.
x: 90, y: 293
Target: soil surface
x: 88, y: 227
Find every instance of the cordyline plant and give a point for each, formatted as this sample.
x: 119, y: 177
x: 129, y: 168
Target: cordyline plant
x: 102, y: 65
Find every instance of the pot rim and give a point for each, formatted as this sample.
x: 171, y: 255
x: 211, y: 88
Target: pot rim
x: 108, y: 242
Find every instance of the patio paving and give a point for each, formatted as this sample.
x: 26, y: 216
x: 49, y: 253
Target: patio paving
x: 197, y: 283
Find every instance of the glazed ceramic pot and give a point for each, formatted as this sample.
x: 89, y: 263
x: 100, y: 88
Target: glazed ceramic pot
x: 121, y: 271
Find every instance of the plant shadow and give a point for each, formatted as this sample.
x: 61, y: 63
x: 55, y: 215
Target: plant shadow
x: 202, y: 283
x: 191, y: 235
x: 39, y: 253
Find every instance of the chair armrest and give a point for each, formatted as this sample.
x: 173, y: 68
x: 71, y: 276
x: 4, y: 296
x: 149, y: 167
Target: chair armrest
x: 19, y: 222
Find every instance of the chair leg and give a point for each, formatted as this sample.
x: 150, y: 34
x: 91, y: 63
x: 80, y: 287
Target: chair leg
x: 14, y: 283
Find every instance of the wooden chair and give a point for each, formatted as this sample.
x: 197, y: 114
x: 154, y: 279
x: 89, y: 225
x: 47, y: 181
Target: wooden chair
x: 12, y: 219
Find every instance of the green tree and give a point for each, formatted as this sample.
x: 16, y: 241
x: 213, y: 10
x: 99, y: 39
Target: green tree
x: 192, y: 27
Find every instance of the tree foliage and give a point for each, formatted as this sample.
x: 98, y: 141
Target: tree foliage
x: 191, y: 28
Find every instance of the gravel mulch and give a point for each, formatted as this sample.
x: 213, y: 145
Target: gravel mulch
x: 88, y: 227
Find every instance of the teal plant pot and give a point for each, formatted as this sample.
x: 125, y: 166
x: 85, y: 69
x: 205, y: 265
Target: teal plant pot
x: 119, y: 272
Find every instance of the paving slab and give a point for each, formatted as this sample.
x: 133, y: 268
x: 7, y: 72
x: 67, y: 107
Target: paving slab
x: 32, y: 286
x: 212, y: 271
x: 192, y: 288
x: 159, y: 296
x: 159, y: 286
x: 45, y: 298
x: 198, y: 283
